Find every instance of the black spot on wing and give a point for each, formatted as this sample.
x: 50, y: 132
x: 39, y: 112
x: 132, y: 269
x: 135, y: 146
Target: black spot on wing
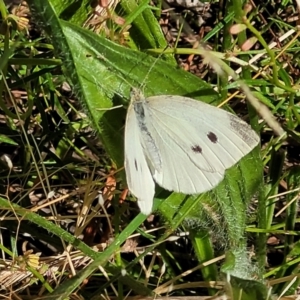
x: 197, y: 149
x: 212, y: 137
x: 136, y: 165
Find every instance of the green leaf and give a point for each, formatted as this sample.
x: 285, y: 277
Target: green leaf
x: 145, y: 30
x: 5, y: 139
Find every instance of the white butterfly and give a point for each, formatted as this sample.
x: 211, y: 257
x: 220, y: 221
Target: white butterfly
x: 182, y: 144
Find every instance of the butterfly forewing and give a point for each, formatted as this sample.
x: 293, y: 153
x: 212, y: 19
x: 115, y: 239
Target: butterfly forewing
x: 213, y: 138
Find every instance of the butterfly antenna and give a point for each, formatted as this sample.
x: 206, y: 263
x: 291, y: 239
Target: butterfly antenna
x: 147, y: 75
x: 151, y: 68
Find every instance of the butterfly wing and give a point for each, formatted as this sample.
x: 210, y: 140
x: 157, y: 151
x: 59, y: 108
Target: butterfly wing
x: 196, y: 141
x: 138, y: 175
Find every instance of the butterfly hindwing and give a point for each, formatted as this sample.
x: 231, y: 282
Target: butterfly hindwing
x: 138, y: 175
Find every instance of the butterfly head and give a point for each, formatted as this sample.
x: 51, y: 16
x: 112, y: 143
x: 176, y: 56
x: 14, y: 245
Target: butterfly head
x: 136, y: 95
